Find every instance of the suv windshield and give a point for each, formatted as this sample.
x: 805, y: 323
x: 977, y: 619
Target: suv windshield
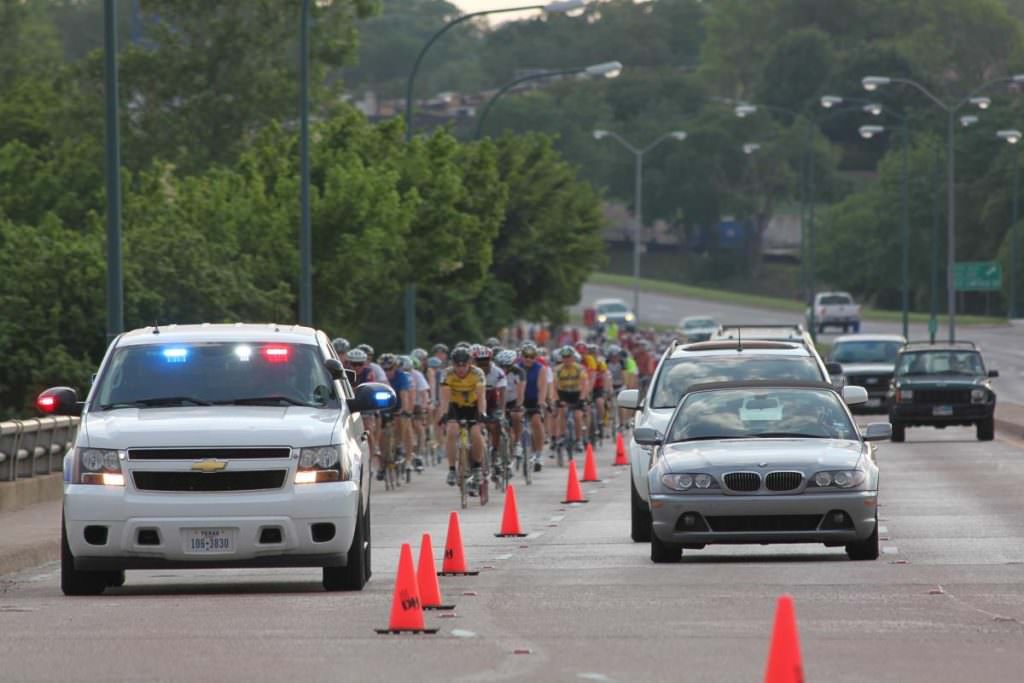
x: 697, y: 323
x: 679, y: 374
x: 612, y: 308
x: 270, y: 374
x: 940, y: 363
x: 745, y: 413
x: 866, y: 351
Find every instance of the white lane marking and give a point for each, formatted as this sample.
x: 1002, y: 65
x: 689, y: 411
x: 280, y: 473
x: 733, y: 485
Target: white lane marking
x: 503, y: 557
x: 535, y: 534
x: 557, y: 518
x: 593, y: 677
x: 890, y: 550
x: 461, y: 633
x: 883, y: 530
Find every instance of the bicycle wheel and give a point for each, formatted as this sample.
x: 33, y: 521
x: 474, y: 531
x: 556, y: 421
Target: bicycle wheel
x: 463, y: 465
x: 527, y: 443
x: 504, y: 460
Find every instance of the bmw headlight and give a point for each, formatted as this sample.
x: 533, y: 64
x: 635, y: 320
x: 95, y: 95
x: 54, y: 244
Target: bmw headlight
x: 688, y: 482
x: 842, y: 479
x: 319, y: 464
x: 99, y: 466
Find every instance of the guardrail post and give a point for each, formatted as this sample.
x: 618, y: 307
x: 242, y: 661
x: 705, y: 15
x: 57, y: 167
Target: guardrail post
x: 9, y: 432
x: 27, y: 448
x: 44, y: 445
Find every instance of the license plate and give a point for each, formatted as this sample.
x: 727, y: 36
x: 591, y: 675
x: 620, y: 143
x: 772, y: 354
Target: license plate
x: 942, y: 411
x: 209, y: 541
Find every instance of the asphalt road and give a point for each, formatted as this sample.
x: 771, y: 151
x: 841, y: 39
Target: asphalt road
x: 945, y: 602
x: 1002, y: 345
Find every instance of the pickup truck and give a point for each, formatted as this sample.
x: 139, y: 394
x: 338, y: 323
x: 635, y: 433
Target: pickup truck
x: 835, y: 309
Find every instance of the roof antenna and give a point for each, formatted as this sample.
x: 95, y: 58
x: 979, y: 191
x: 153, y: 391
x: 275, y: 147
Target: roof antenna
x: 739, y: 339
x: 156, y: 327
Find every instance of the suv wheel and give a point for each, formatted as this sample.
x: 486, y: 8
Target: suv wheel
x: 73, y: 581
x: 986, y: 429
x: 664, y: 552
x: 899, y: 432
x: 640, y: 515
x: 866, y: 549
x: 353, y: 576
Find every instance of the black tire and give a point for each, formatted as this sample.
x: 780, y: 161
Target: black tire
x: 640, y: 516
x: 866, y: 549
x: 899, y: 432
x: 986, y: 429
x: 664, y: 553
x: 353, y: 576
x: 821, y: 329
x: 114, y: 579
x: 73, y: 581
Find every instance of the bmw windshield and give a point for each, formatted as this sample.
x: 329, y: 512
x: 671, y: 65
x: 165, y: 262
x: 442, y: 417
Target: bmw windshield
x: 226, y: 373
x: 760, y: 413
x: 679, y: 374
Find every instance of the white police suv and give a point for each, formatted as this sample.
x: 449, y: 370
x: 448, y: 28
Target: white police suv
x: 217, y: 446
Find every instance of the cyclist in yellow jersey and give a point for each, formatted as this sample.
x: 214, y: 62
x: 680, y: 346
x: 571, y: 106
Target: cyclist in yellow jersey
x: 573, y: 388
x: 463, y: 397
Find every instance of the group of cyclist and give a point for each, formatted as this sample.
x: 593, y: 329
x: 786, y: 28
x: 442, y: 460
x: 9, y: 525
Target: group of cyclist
x: 485, y: 388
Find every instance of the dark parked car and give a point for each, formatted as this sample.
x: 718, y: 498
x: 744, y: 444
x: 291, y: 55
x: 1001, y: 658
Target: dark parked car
x: 936, y: 385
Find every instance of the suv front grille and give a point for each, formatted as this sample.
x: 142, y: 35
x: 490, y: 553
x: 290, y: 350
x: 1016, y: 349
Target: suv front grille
x: 206, y: 453
x: 783, y: 481
x: 252, y: 480
x: 870, y: 381
x: 949, y: 396
x: 743, y: 481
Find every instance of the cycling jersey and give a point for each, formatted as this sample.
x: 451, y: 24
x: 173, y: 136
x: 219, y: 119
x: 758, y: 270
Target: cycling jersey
x: 569, y: 378
x: 600, y: 369
x: 400, y: 381
x: 617, y: 371
x: 378, y: 373
x: 513, y: 376
x: 421, y: 385
x: 463, y: 389
x: 364, y: 375
x: 496, y: 381
x: 531, y: 376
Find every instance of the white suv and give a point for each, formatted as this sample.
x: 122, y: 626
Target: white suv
x: 217, y: 446
x: 718, y: 360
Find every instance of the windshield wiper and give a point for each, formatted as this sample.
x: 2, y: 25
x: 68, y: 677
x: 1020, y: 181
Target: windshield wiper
x: 266, y: 399
x: 156, y: 402
x: 782, y: 435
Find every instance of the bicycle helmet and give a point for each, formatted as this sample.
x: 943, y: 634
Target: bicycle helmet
x: 405, y: 363
x: 419, y: 354
x: 356, y: 356
x: 464, y: 343
x: 439, y: 347
x: 460, y: 355
x: 528, y: 349
x: 434, y: 363
x: 614, y: 350
x: 367, y: 349
x: 566, y: 351
x: 387, y: 360
x: 581, y: 347
x: 480, y: 352
x: 340, y: 345
x: 592, y: 349
x: 493, y: 342
x: 506, y: 358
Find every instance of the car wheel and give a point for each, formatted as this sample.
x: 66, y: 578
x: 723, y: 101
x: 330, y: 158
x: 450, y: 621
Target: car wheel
x: 986, y: 429
x: 866, y: 549
x: 73, y: 581
x: 664, y: 552
x: 899, y: 432
x: 114, y: 579
x: 640, y: 515
x: 353, y: 576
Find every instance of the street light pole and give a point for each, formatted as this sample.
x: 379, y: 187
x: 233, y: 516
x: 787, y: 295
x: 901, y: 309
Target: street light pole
x: 1013, y: 137
x: 305, y: 226
x: 115, y: 280
x: 638, y: 197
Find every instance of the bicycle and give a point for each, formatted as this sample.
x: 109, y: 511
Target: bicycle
x: 463, y: 471
x: 501, y: 462
x: 390, y: 452
x: 526, y: 443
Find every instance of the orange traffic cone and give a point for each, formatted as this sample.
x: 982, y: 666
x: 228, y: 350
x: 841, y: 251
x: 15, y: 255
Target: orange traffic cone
x: 430, y: 589
x: 406, y: 611
x: 590, y: 466
x: 454, y: 556
x: 510, y: 517
x: 572, y: 490
x: 620, y: 452
x: 784, y: 663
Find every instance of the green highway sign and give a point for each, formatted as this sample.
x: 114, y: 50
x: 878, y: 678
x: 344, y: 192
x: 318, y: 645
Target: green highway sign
x: 978, y: 276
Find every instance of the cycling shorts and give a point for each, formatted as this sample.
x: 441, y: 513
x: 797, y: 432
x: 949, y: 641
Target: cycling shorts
x: 531, y: 407
x: 468, y: 413
x: 597, y: 393
x: 571, y: 399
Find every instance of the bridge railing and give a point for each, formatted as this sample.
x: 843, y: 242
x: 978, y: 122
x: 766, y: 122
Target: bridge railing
x: 35, y: 446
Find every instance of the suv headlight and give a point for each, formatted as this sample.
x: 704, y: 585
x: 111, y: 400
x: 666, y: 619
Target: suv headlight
x: 99, y: 466
x: 843, y: 479
x: 979, y: 395
x: 904, y: 395
x: 320, y: 464
x: 688, y: 482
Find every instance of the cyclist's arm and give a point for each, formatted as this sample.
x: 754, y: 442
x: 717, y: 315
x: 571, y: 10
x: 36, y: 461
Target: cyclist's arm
x: 521, y: 392
x: 406, y: 400
x: 446, y: 397
x: 481, y: 399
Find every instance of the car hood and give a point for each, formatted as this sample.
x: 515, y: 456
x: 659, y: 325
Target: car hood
x: 295, y: 426
x: 754, y: 453
x: 868, y: 368
x: 941, y: 381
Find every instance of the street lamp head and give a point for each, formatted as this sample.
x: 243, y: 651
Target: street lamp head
x: 981, y: 102
x: 829, y: 101
x: 873, y: 108
x: 606, y: 69
x: 868, y: 132
x: 600, y: 134
x: 565, y: 6
x: 679, y: 135
x: 745, y: 110
x: 968, y: 120
x: 751, y: 147
x: 1012, y: 136
x: 872, y: 83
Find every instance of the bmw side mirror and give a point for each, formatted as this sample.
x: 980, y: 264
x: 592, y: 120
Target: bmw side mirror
x: 629, y: 399
x: 993, y: 373
x: 59, y: 401
x: 372, y: 396
x: 854, y: 395
x: 647, y: 436
x: 335, y: 368
x: 878, y: 431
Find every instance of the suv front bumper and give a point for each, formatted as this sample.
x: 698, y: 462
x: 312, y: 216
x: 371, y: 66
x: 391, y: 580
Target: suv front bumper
x: 924, y: 413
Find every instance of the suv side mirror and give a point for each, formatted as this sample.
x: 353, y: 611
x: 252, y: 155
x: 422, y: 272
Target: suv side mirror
x: 993, y: 373
x: 629, y: 399
x: 853, y: 395
x: 335, y: 368
x: 59, y: 401
x: 878, y: 431
x: 647, y: 436
x: 372, y: 396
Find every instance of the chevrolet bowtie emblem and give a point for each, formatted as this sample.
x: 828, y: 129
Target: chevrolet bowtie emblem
x: 209, y: 465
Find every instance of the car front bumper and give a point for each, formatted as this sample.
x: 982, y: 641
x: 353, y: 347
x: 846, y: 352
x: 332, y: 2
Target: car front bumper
x: 924, y: 413
x: 797, y: 518
x: 125, y: 513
